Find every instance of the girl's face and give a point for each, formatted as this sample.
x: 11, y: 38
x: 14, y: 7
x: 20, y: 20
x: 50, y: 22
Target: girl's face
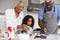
x: 29, y: 22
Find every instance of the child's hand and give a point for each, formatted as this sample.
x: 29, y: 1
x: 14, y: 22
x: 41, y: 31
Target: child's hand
x: 34, y: 33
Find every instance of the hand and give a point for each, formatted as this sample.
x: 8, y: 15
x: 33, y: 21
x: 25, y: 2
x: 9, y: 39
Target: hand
x: 14, y: 29
x: 20, y: 27
x: 25, y: 28
x: 43, y: 30
x: 34, y: 33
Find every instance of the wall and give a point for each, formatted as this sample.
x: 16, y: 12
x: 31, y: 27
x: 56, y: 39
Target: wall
x: 6, y: 4
x: 57, y: 1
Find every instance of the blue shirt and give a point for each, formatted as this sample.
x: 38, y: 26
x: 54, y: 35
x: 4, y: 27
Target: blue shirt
x: 57, y: 11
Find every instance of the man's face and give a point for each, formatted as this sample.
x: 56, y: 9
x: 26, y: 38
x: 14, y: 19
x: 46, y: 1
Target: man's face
x: 49, y: 5
x: 19, y: 7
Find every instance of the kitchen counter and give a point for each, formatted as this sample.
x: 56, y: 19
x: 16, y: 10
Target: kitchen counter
x: 49, y: 37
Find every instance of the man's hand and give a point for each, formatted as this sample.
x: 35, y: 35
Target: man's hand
x: 43, y: 30
x: 41, y: 24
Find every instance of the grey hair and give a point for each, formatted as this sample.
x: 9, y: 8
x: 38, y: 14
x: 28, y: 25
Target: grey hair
x: 49, y: 0
x: 52, y: 1
x: 19, y: 1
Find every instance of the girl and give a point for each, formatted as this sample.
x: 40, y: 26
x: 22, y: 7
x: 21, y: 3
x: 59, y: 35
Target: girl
x: 28, y: 23
x: 27, y: 28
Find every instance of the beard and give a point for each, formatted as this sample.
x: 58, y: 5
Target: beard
x: 50, y: 9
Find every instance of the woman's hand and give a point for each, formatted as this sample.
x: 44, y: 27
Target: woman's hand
x: 20, y: 27
x: 25, y: 27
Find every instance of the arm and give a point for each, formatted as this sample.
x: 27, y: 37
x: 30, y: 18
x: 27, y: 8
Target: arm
x: 43, y: 29
x: 23, y: 27
x: 40, y: 18
x: 8, y: 23
x: 58, y: 12
x: 40, y: 21
x: 8, y: 20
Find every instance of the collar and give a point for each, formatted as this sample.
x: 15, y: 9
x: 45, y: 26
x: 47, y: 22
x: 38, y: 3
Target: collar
x: 51, y: 9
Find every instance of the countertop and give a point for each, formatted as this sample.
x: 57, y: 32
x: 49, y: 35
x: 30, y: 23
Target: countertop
x: 49, y: 37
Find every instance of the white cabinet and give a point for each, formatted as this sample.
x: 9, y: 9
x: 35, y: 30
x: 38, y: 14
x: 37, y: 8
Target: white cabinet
x: 37, y: 1
x: 57, y: 1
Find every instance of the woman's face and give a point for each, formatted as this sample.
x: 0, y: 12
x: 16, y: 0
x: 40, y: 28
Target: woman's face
x: 19, y: 7
x: 29, y: 22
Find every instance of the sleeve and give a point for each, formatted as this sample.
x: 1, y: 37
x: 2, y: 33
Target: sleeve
x: 9, y: 25
x: 58, y: 11
x: 40, y: 15
x: 8, y: 20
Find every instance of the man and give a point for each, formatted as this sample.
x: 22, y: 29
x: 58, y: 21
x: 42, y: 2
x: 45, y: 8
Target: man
x: 48, y: 17
x: 14, y: 18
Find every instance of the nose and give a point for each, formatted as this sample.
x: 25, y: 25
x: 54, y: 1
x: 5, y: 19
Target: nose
x: 48, y: 6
